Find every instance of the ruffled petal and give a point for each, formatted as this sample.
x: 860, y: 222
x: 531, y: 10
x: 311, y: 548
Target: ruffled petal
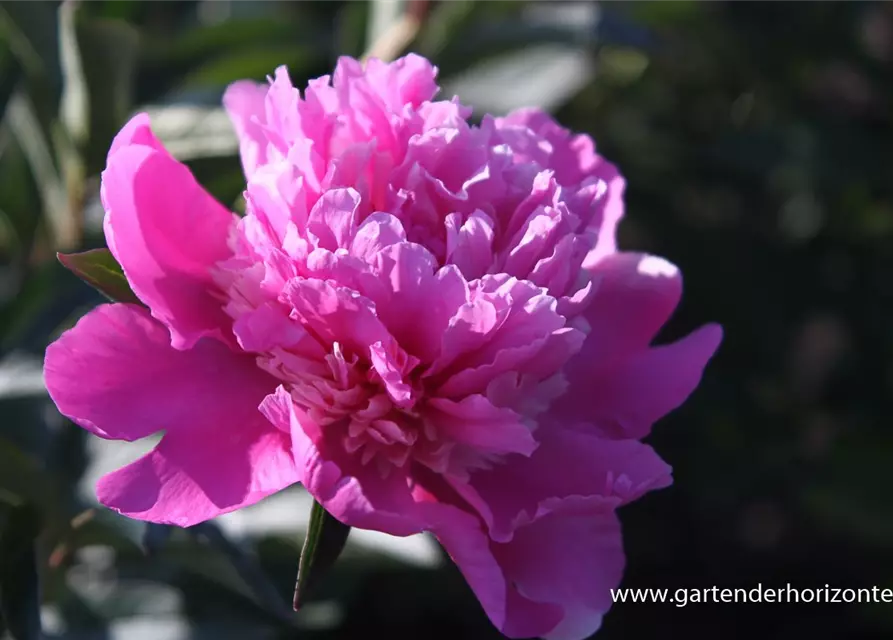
x: 355, y: 494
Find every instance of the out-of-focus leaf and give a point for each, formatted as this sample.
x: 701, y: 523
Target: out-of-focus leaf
x: 26, y: 127
x: 10, y: 75
x: 74, y: 110
x: 100, y: 58
x: 22, y: 480
x: 20, y: 596
x: 19, y: 198
x: 248, y: 569
x: 325, y: 541
x: 350, y: 28
x: 850, y: 500
x: 155, y: 536
x: 30, y: 29
x: 225, y: 37
x: 254, y: 64
x: 99, y: 269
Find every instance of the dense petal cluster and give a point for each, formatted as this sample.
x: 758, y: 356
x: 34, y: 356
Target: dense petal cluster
x: 426, y: 322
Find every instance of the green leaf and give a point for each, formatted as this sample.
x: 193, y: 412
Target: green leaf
x: 19, y: 580
x: 325, y: 541
x: 99, y: 269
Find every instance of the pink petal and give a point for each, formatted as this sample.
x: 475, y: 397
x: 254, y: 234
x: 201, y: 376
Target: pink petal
x: 635, y: 294
x: 354, y: 494
x: 137, y: 131
x: 609, y: 210
x: 333, y: 219
x: 474, y: 421
x: 570, y: 561
x: 628, y: 399
x: 417, y: 300
x: 244, y: 104
x: 515, y: 615
x: 266, y: 327
x: 116, y: 374
x: 223, y: 465
x: 167, y: 233
x: 376, y: 232
x: 470, y: 243
x: 275, y: 196
x: 336, y: 314
x: 109, y: 372
x: 569, y: 469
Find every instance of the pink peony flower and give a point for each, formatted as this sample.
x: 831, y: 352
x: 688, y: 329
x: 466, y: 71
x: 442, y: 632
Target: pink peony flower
x: 425, y: 322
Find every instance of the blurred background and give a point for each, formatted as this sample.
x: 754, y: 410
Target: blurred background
x: 756, y: 139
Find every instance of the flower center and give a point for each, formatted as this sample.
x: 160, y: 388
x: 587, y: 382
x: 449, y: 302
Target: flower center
x: 376, y: 417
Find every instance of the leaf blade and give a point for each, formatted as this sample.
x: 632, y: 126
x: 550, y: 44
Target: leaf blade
x: 99, y: 269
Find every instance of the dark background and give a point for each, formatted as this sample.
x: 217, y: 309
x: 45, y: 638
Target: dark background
x: 756, y: 141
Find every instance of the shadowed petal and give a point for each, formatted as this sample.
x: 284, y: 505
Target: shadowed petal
x: 571, y: 561
x: 626, y: 400
x: 569, y: 469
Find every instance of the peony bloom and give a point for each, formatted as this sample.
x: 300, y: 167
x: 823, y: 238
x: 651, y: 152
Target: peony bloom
x: 425, y: 322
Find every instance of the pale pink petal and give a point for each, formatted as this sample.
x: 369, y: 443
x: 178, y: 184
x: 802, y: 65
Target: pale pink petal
x: 266, y: 327
x: 244, y: 103
x: 416, y: 300
x: 333, y: 220
x: 626, y: 400
x: 470, y: 243
x: 385, y: 365
x: 276, y: 197
x: 376, y: 232
x: 336, y: 314
x: 571, y: 157
x: 168, y: 234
